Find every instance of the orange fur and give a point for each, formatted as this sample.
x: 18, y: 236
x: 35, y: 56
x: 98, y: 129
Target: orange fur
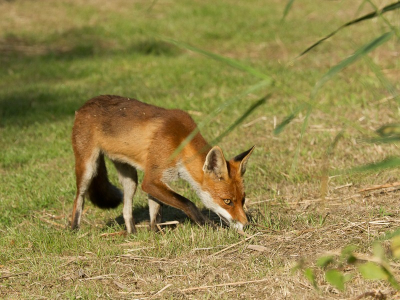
x: 135, y: 135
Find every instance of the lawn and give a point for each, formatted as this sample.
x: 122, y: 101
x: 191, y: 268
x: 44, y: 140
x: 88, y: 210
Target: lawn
x: 55, y: 55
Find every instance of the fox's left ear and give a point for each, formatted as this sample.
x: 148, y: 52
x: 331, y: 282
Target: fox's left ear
x: 216, y: 164
x: 243, y: 158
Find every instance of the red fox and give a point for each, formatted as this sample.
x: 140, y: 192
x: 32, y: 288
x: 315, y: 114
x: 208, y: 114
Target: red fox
x: 136, y: 135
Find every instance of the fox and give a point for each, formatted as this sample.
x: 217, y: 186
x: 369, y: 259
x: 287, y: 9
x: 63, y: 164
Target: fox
x: 139, y: 136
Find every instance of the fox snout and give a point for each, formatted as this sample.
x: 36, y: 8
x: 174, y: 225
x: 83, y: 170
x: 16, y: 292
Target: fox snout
x: 240, y: 222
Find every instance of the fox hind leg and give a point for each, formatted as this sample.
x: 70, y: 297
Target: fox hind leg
x: 85, y: 170
x: 128, y: 178
x: 155, y: 210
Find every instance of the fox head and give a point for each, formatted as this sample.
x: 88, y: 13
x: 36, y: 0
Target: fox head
x: 223, y: 188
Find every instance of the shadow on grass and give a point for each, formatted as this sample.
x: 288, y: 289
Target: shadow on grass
x: 141, y: 215
x: 45, y: 64
x: 78, y: 43
x: 24, y: 108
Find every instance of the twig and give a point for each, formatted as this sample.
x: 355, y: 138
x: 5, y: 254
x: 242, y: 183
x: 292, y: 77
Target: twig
x: 257, y: 248
x: 51, y: 222
x: 160, y: 229
x: 138, y: 249
x: 160, y: 224
x: 362, y: 256
x: 13, y: 275
x: 55, y: 217
x: 342, y: 186
x: 107, y: 234
x: 145, y: 258
x: 255, y: 121
x: 223, y: 284
x: 99, y: 277
x: 207, y: 248
x: 231, y: 246
x: 374, y: 294
x: 258, y: 202
x: 381, y: 186
x: 169, y: 223
x: 162, y: 290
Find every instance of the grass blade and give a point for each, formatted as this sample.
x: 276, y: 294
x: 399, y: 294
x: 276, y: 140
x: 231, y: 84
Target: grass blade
x: 351, y: 59
x: 229, y: 61
x: 382, y: 78
x: 279, y: 128
x: 389, y: 130
x: 215, y: 112
x: 391, y: 162
x: 303, y: 130
x: 386, y: 9
x: 287, y: 8
x: 241, y: 118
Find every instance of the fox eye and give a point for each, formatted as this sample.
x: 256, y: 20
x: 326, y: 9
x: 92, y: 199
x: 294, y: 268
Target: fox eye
x: 228, y: 201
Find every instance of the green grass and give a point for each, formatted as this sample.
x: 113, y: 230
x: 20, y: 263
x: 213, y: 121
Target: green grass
x: 57, y: 55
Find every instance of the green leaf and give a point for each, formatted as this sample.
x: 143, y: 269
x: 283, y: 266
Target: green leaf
x: 287, y: 8
x: 324, y: 261
x: 391, y: 162
x: 303, y: 131
x: 279, y: 128
x: 351, y: 59
x: 386, y: 9
x: 335, y: 278
x: 229, y: 61
x: 378, y: 250
x: 372, y: 271
x: 393, y: 282
x: 347, y: 254
x: 389, y: 130
x: 383, y: 140
x: 395, y: 246
x: 309, y: 274
x: 241, y: 119
x: 216, y: 111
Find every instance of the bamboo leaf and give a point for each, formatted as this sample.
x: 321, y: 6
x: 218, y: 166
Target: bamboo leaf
x: 395, y: 246
x: 241, y: 118
x: 371, y: 15
x: 389, y: 130
x: 229, y: 61
x: 303, y: 131
x: 279, y: 128
x: 347, y: 254
x: 370, y: 270
x: 378, y: 250
x: 335, y: 278
x: 287, y: 8
x: 382, y: 78
x: 216, y: 111
x: 388, y: 163
x: 309, y: 274
x: 351, y: 59
x: 323, y: 261
x: 383, y: 140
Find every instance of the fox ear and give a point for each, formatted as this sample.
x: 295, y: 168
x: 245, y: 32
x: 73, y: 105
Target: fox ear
x: 216, y: 163
x: 243, y: 158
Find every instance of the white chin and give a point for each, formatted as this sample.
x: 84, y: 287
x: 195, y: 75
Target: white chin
x: 237, y: 226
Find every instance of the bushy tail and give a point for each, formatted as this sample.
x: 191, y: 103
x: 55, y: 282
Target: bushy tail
x: 101, y: 192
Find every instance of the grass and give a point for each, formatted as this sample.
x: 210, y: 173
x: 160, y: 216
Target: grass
x: 56, y: 56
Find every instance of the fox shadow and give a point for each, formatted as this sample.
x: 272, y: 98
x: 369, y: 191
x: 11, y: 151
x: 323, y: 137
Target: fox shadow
x: 141, y: 216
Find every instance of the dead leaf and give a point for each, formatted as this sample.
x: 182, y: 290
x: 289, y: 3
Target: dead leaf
x: 257, y: 248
